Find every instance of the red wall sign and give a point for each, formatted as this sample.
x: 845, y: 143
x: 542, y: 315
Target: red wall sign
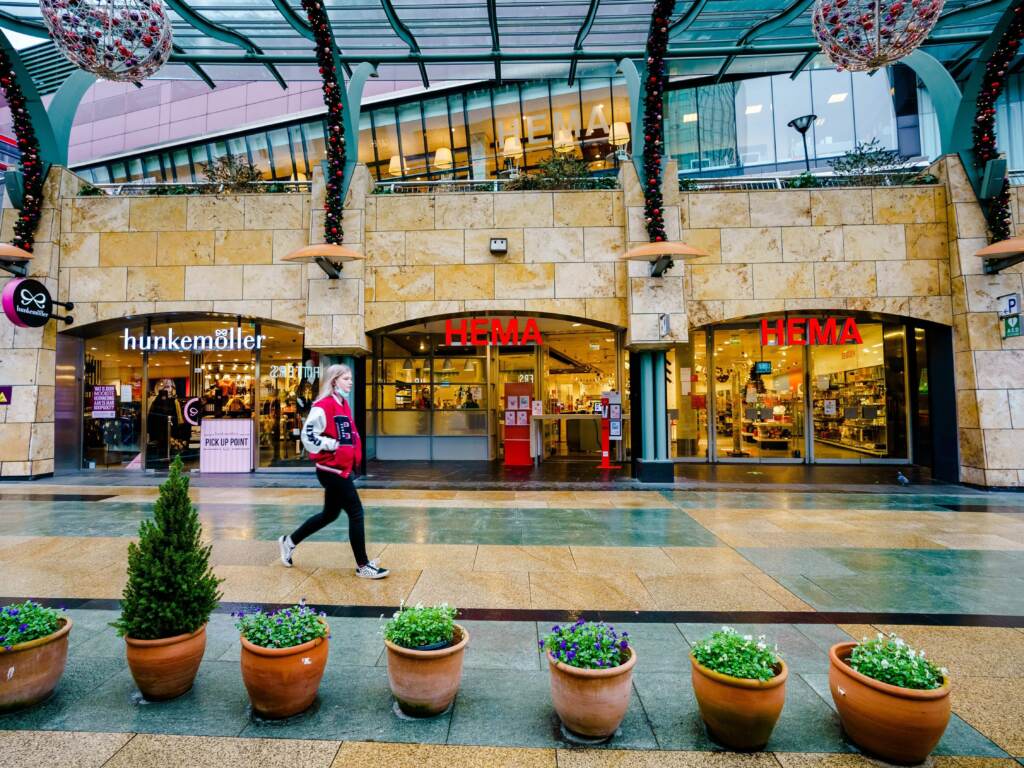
x: 810, y: 331
x: 484, y: 331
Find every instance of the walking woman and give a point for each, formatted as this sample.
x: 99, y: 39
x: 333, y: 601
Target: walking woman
x: 333, y: 442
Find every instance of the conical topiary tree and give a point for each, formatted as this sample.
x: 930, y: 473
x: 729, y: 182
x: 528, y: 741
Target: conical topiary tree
x: 171, y: 589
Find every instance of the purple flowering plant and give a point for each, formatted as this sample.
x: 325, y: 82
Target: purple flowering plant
x: 587, y: 645
x: 22, y: 622
x: 285, y: 628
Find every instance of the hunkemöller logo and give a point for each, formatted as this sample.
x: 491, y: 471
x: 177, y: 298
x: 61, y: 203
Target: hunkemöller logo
x: 223, y: 338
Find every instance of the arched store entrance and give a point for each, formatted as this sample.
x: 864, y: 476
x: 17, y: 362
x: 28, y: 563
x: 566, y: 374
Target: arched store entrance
x: 433, y: 396
x: 763, y: 389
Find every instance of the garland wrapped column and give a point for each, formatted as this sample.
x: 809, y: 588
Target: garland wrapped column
x: 31, y: 165
x: 997, y: 209
x: 324, y: 40
x: 657, y: 43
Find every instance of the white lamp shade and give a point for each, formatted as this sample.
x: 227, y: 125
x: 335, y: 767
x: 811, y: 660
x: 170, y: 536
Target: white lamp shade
x: 443, y: 159
x: 513, y: 146
x: 564, y: 141
x: 620, y: 134
x: 397, y: 165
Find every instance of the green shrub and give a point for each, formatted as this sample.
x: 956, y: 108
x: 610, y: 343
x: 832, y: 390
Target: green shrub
x: 171, y: 589
x: 730, y: 653
x: 419, y: 626
x: 282, y: 629
x: 889, y: 659
x: 22, y: 622
x: 89, y: 190
x: 805, y: 180
x: 587, y: 645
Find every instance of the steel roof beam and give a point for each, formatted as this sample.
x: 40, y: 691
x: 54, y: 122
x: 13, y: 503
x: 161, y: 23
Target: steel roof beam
x: 222, y: 33
x: 200, y: 72
x: 804, y: 62
x: 492, y: 21
x: 683, y: 22
x: 23, y: 25
x: 588, y: 22
x: 970, y: 13
x: 406, y: 36
x: 300, y: 25
x: 772, y: 23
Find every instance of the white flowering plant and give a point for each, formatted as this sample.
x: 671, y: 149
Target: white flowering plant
x: 730, y: 653
x: 420, y: 626
x: 889, y: 659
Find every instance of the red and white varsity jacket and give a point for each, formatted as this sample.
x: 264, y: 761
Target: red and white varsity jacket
x: 331, y: 437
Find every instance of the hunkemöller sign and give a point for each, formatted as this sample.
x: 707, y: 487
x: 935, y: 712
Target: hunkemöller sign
x: 809, y: 331
x: 223, y: 338
x: 483, y: 331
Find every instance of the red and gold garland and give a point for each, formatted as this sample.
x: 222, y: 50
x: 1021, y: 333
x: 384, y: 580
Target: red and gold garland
x: 31, y: 165
x: 997, y: 209
x: 657, y: 43
x: 323, y: 38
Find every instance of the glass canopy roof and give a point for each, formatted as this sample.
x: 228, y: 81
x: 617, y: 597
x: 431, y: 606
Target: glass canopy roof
x: 435, y: 40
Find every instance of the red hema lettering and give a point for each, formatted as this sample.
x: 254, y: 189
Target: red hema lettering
x: 479, y: 331
x: 805, y: 331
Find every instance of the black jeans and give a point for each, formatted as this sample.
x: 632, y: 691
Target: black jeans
x: 339, y: 493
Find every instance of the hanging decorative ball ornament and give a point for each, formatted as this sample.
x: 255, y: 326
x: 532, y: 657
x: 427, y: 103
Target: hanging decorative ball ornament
x: 865, y: 35
x: 122, y: 40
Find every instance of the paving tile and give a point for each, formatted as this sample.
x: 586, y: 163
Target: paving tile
x: 33, y: 749
x: 701, y: 560
x: 709, y: 593
x: 502, y: 645
x: 82, y: 677
x: 471, y: 589
x: 614, y: 758
x: 441, y: 756
x: 824, y: 760
x: 609, y: 560
x: 353, y: 705
x: 216, y: 706
x: 495, y: 557
x: 252, y: 583
x: 578, y: 591
x: 974, y: 699
x: 502, y: 708
x: 421, y: 556
x: 162, y: 751
x: 778, y: 592
x: 334, y: 586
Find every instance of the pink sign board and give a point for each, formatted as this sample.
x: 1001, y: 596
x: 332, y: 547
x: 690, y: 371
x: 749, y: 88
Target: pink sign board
x: 103, y: 401
x: 225, y: 445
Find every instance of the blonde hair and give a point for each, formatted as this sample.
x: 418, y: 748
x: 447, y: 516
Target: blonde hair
x: 330, y: 376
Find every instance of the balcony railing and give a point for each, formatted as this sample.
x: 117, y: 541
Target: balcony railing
x: 889, y: 179
x: 193, y: 188
x: 502, y: 184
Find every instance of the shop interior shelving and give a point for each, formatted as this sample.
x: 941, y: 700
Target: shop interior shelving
x: 859, y: 391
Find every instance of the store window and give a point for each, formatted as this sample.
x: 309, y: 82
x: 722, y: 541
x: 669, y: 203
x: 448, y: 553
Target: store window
x: 687, y: 397
x: 112, y: 407
x: 289, y: 383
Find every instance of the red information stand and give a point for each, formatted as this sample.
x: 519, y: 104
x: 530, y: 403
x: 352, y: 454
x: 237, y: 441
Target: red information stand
x: 517, y: 424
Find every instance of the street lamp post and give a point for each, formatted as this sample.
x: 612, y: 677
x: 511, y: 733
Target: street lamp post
x: 802, y: 124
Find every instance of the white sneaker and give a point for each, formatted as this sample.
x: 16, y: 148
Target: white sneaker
x: 286, y: 546
x: 372, y: 570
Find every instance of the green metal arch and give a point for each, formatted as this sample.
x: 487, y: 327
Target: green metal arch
x: 779, y: 20
x: 585, y: 28
x: 492, y: 21
x: 406, y: 36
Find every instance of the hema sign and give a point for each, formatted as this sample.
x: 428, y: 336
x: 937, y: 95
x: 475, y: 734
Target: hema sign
x: 809, y: 331
x: 223, y: 338
x: 482, y: 331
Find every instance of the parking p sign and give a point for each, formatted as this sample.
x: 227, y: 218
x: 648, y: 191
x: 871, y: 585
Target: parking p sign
x: 1009, y: 305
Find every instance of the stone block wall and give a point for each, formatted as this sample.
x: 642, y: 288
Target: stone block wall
x: 873, y: 250
x: 429, y: 254
x: 129, y: 255
x: 989, y: 369
x: 28, y: 355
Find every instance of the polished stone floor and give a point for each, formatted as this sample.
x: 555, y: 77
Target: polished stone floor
x: 943, y: 566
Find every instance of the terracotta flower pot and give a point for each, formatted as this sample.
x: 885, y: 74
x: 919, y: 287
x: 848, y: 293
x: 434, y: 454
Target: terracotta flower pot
x: 424, y: 683
x: 739, y: 713
x: 166, y: 668
x: 591, y: 702
x: 30, y: 671
x: 899, y: 725
x: 283, y: 681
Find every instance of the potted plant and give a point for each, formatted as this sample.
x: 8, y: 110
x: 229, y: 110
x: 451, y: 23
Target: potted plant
x: 892, y: 701
x: 170, y: 594
x: 33, y: 651
x: 283, y: 658
x: 591, y: 676
x: 424, y: 652
x: 740, y: 685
